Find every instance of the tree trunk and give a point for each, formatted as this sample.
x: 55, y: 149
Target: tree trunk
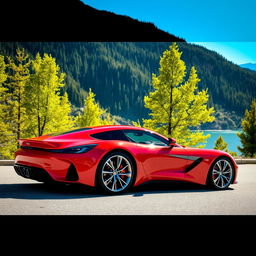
x: 170, y: 114
x: 19, y: 115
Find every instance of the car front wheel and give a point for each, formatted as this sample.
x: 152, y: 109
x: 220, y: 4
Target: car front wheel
x: 221, y: 173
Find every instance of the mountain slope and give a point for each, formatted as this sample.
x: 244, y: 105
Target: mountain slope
x: 58, y: 20
x: 120, y: 75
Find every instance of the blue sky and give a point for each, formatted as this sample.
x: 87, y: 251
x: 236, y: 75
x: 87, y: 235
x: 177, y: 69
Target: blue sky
x: 193, y: 20
x: 226, y: 26
x: 237, y: 52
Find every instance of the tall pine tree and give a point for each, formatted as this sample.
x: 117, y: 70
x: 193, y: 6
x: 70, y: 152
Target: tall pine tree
x: 93, y: 114
x: 220, y: 144
x: 248, y: 134
x: 5, y: 132
x: 12, y: 97
x: 19, y: 75
x: 3, y: 77
x: 176, y: 104
x: 47, y: 110
x: 30, y: 100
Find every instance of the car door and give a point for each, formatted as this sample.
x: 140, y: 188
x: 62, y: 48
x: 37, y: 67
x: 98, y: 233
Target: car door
x: 159, y: 160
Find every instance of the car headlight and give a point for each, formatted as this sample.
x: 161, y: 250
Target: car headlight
x: 75, y: 150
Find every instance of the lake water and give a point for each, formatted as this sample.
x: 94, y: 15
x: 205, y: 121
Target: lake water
x: 229, y: 136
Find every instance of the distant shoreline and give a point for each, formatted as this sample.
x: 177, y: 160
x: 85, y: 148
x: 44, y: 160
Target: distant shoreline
x: 230, y: 137
x: 214, y: 130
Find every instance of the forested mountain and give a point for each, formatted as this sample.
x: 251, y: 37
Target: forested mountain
x: 119, y: 73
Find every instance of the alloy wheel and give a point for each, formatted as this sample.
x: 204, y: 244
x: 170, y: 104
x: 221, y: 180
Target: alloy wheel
x: 222, y: 174
x: 116, y: 173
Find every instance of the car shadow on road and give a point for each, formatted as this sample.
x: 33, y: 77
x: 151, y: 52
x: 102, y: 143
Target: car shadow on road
x: 41, y: 191
x: 159, y: 187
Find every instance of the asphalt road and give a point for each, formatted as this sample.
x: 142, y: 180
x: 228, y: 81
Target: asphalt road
x: 20, y: 196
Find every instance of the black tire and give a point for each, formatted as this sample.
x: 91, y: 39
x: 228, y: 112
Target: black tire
x: 115, y: 173
x: 221, y: 174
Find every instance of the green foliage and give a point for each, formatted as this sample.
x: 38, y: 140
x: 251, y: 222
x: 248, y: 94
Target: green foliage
x: 30, y: 100
x: 3, y: 75
x: 137, y: 123
x: 13, y: 112
x: 18, y: 76
x: 248, y: 134
x: 6, y: 139
x: 176, y: 104
x: 93, y: 114
x: 232, y: 153
x: 122, y: 70
x: 47, y: 111
x: 32, y: 104
x: 220, y: 144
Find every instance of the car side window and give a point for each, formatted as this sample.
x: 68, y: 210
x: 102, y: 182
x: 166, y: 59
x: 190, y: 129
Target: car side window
x: 145, y: 137
x: 110, y: 135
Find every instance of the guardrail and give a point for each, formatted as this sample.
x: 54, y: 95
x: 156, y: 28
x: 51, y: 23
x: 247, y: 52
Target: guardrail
x: 238, y: 161
x: 245, y: 160
x: 6, y: 162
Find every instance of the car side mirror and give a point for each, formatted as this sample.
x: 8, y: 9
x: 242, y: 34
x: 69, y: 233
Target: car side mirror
x: 172, y: 142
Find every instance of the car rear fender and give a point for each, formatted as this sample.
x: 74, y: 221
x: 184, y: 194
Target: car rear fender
x: 140, y: 175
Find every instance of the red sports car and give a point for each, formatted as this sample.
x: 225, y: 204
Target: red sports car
x: 114, y: 158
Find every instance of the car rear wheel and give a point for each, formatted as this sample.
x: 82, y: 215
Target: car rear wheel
x: 115, y: 173
x: 221, y: 173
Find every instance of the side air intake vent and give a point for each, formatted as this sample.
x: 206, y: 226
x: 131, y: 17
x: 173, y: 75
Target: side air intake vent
x: 72, y: 173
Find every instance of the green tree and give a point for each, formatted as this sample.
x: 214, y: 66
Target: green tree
x: 93, y: 114
x: 19, y: 74
x: 177, y: 105
x: 5, y: 133
x: 62, y: 120
x: 248, y: 134
x: 220, y: 144
x: 12, y: 97
x: 30, y: 100
x: 3, y: 77
x: 47, y: 110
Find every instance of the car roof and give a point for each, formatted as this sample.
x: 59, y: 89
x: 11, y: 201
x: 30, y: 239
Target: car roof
x: 88, y: 131
x: 114, y: 127
x: 105, y: 128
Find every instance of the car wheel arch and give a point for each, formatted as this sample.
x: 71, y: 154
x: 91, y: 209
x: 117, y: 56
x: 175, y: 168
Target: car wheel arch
x: 119, y: 150
x: 216, y: 160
